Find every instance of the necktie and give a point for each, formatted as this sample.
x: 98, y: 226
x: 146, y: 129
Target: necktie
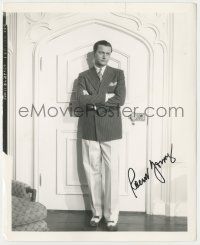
x: 100, y: 74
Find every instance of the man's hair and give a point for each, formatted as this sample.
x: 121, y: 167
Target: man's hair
x: 102, y: 42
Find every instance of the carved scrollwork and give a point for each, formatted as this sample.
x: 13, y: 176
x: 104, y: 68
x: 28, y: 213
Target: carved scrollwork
x: 153, y: 27
x: 34, y: 17
x: 41, y: 23
x: 156, y: 24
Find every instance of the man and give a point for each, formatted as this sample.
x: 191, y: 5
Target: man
x: 100, y: 92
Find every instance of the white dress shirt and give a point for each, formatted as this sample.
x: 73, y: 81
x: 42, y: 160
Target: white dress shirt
x: 98, y: 69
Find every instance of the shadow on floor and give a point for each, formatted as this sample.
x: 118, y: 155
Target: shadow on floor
x: 65, y: 220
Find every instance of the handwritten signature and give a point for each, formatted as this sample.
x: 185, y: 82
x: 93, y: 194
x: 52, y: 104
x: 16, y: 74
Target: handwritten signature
x: 135, y: 184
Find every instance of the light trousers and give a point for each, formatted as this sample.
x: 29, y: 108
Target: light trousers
x: 101, y: 164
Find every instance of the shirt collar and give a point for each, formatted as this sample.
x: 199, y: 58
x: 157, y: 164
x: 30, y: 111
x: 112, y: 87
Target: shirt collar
x: 102, y: 69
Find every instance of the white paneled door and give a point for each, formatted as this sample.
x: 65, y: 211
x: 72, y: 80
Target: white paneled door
x: 62, y: 183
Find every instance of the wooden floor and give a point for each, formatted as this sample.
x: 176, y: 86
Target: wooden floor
x: 62, y: 220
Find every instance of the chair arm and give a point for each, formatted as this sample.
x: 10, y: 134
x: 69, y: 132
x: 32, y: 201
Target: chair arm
x: 33, y: 193
x: 23, y: 190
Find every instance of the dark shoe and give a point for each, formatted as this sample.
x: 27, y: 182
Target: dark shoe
x: 95, y: 220
x: 112, y: 226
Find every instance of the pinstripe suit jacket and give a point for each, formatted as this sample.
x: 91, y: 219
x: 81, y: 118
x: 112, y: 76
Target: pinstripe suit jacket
x: 104, y: 123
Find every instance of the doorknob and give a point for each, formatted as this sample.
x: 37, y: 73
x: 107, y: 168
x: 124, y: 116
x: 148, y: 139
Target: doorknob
x: 137, y: 117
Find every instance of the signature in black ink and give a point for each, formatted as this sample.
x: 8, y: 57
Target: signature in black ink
x: 155, y: 166
x: 139, y: 182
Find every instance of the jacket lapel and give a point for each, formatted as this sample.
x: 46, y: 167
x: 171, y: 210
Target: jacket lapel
x: 94, y: 78
x: 107, y: 76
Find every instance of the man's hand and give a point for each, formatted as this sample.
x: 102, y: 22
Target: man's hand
x: 109, y: 95
x: 85, y: 92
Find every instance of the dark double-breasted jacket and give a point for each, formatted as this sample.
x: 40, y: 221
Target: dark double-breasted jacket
x: 101, y: 120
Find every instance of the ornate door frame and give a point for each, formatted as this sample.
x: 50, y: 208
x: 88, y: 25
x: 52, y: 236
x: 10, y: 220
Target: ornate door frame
x: 155, y: 32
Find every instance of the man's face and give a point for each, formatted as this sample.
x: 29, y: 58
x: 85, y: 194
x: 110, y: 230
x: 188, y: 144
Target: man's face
x: 102, y: 55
